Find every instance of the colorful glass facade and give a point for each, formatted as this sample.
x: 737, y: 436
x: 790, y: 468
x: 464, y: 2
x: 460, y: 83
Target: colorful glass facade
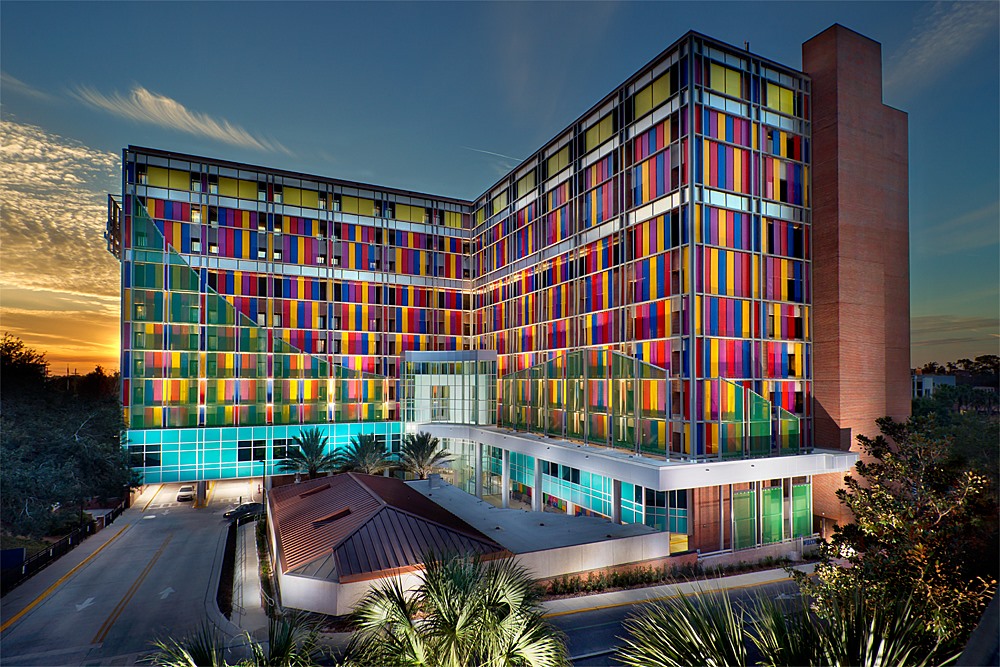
x: 669, y: 224
x: 254, y: 299
x: 644, y: 280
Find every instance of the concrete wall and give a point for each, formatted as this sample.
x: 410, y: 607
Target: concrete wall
x: 596, y: 555
x: 861, y: 327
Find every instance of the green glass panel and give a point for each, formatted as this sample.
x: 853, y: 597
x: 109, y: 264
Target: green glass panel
x: 744, y: 519
x: 771, y: 519
x: 789, y: 432
x: 802, y: 510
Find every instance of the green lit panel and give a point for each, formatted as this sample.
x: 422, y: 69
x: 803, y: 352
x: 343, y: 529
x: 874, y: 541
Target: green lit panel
x: 802, y: 510
x: 744, y: 519
x: 789, y: 432
x: 771, y: 514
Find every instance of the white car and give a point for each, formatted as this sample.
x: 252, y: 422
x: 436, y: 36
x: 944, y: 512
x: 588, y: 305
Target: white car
x: 185, y: 493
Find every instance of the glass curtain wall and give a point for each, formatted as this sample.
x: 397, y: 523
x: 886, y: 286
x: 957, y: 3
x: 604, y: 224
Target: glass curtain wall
x: 609, y: 399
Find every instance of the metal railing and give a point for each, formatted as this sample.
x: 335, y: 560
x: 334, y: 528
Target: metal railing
x: 11, y: 578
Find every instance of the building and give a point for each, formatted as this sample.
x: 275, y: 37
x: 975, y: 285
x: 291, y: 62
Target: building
x: 925, y: 384
x: 692, y: 298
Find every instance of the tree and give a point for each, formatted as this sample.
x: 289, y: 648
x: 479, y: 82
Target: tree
x: 466, y: 611
x: 310, y: 455
x: 422, y: 455
x: 920, y: 523
x: 365, y: 454
x: 58, y: 448
x: 22, y: 368
x: 710, y: 630
x: 291, y: 642
x: 681, y: 631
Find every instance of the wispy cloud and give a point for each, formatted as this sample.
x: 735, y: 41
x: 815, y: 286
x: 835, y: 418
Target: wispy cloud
x: 145, y: 106
x: 53, y: 207
x: 944, y: 337
x: 944, y: 36
x: 971, y: 229
x: 10, y: 84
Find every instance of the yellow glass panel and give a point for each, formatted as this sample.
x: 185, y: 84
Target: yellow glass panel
x: 526, y: 184
x: 559, y: 161
x: 599, y: 133
x: 292, y: 196
x: 479, y: 215
x: 499, y: 202
x: 780, y: 99
x: 228, y: 187
x: 180, y: 180
x: 725, y: 80
x: 733, y: 84
x: 349, y: 204
x: 452, y: 219
x: 158, y: 177
x: 310, y: 199
x: 248, y: 190
x: 661, y: 89
x: 644, y: 101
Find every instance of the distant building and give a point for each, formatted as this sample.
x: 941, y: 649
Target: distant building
x: 924, y: 386
x: 686, y: 304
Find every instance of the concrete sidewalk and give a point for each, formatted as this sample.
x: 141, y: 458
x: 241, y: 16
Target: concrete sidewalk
x: 572, y: 605
x: 248, y: 601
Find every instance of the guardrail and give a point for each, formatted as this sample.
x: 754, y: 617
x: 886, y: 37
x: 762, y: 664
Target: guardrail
x: 13, y: 577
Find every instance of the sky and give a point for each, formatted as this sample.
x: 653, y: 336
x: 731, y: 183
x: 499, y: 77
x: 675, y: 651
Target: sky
x: 441, y: 98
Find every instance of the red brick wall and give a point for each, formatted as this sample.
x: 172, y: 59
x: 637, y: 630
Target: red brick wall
x: 861, y: 331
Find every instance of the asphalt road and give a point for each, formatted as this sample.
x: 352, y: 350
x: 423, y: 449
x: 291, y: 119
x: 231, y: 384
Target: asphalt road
x: 155, y: 577
x: 593, y: 635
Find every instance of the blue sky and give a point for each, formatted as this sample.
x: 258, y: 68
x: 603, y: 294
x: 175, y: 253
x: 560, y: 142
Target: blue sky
x: 442, y: 98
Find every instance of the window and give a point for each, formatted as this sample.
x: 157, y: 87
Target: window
x: 277, y: 319
x: 277, y: 254
x: 321, y: 322
x: 262, y: 222
x: 261, y: 253
x: 213, y: 185
x: 141, y: 177
x: 195, y: 183
x: 279, y: 449
x: 321, y: 346
x: 321, y: 259
x: 277, y: 194
x: 213, y: 248
x: 261, y: 319
x: 195, y: 245
x: 196, y: 215
x: 322, y: 201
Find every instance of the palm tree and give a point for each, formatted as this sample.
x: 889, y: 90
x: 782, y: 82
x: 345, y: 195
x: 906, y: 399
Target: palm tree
x: 711, y: 631
x: 466, y: 611
x: 291, y: 642
x: 309, y: 456
x: 365, y: 454
x: 680, y: 631
x: 421, y: 454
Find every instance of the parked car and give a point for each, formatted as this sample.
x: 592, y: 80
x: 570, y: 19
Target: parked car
x: 244, y: 510
x: 185, y: 493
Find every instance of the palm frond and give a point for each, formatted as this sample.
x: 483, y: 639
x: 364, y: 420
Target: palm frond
x: 683, y: 631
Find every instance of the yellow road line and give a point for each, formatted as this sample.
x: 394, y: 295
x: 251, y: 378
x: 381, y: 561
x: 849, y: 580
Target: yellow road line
x: 612, y: 605
x: 102, y: 632
x: 61, y: 579
x: 151, y: 499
